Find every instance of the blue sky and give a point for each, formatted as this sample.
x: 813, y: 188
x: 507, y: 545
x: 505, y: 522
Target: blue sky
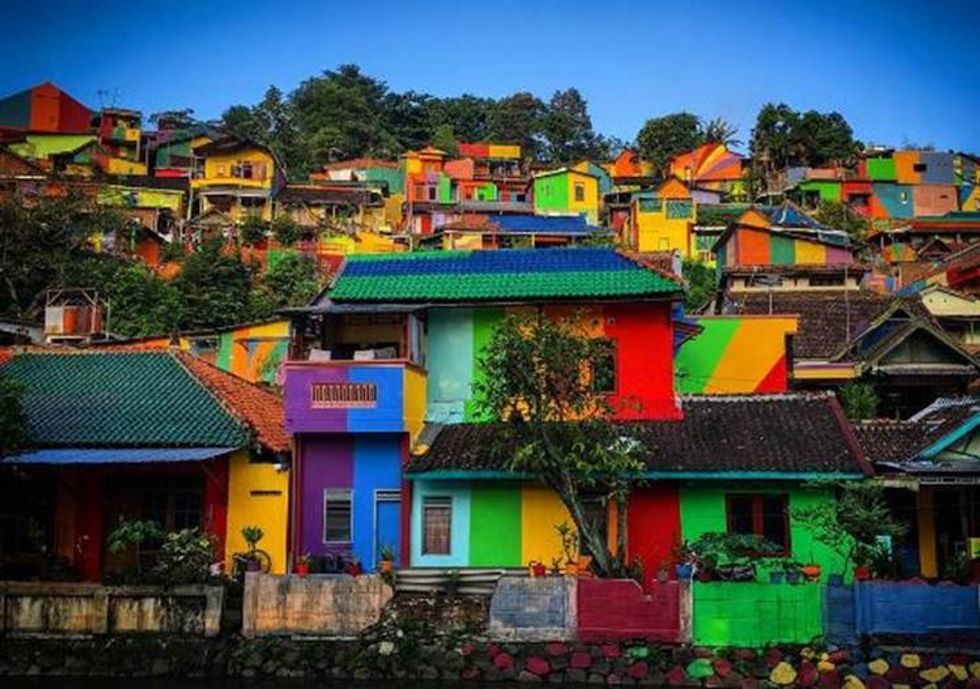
x: 900, y: 71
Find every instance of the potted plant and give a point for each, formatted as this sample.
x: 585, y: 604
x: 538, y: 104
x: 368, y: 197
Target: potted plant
x: 302, y: 566
x: 849, y: 520
x: 811, y: 570
x: 683, y: 560
x: 252, y: 535
x: 663, y: 574
x: 353, y: 567
x: 569, y: 547
x: 537, y: 568
x: 776, y: 576
x: 793, y: 573
x: 387, y: 558
x: 452, y: 582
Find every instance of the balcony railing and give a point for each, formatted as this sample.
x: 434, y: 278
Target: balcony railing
x: 344, y: 396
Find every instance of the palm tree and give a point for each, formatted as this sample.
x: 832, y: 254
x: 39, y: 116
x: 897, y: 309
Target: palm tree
x: 720, y: 131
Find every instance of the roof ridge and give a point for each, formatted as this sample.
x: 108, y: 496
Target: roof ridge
x: 759, y: 397
x: 225, y: 407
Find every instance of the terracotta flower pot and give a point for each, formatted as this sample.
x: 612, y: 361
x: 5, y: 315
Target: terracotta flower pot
x: 302, y: 568
x: 386, y: 566
x: 862, y: 573
x: 812, y: 572
x: 571, y: 569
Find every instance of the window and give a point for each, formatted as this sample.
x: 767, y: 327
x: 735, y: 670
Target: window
x: 904, y: 197
x: 604, y: 368
x: 679, y: 209
x: 762, y: 515
x: 521, y: 198
x: 432, y: 193
x: 826, y: 280
x: 436, y: 525
x: 579, y: 193
x: 919, y: 167
x: 337, y: 515
x: 651, y: 205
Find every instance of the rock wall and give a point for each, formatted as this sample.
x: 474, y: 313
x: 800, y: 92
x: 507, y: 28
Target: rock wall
x: 533, y: 609
x: 321, y: 604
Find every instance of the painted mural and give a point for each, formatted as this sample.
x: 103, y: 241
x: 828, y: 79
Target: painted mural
x: 735, y: 354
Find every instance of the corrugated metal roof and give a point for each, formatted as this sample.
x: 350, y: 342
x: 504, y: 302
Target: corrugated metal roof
x: 141, y: 455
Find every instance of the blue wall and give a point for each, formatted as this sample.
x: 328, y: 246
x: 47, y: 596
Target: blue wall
x: 377, y: 466
x: 459, y: 549
x: 890, y: 196
x: 450, y: 364
x: 895, y: 607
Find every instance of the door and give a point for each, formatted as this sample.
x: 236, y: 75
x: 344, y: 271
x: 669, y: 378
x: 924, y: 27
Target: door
x: 387, y: 524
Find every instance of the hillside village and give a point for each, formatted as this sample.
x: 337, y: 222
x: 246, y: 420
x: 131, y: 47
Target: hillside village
x: 773, y: 335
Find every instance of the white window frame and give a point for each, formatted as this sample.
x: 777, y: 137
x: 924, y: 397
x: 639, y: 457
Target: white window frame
x: 338, y: 494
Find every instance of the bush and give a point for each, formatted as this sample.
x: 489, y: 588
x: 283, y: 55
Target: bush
x: 253, y: 230
x: 286, y: 231
x: 860, y: 401
x: 186, y: 557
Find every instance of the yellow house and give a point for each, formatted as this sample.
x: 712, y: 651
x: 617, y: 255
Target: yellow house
x: 567, y: 191
x: 235, y: 177
x: 662, y: 220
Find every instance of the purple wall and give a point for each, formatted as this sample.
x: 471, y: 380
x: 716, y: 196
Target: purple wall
x: 327, y: 462
x: 296, y: 399
x: 838, y: 256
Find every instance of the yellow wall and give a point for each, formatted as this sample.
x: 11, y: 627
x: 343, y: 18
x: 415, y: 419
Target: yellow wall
x: 217, y: 169
x: 268, y: 511
x: 590, y: 206
x: 541, y: 510
x: 120, y: 166
x: 972, y: 202
x: 927, y: 532
x: 414, y: 401
x: 146, y: 198
x: 810, y: 252
x: 502, y: 151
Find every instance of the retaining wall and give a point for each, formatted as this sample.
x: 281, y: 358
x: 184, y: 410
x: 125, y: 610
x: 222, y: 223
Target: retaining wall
x: 318, y: 604
x: 533, y: 608
x: 619, y: 609
x: 753, y: 614
x: 35, y: 608
x: 886, y: 607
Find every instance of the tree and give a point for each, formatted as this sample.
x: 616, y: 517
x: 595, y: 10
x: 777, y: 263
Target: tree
x: 292, y: 281
x: 568, y: 128
x: 720, y: 131
x: 783, y: 137
x: 860, y: 401
x: 771, y: 144
x: 662, y: 138
x: 14, y: 430
x: 215, y: 287
x: 253, y: 229
x: 469, y: 116
x: 445, y: 140
x: 405, y: 119
x: 702, y: 283
x: 518, y: 119
x: 851, y: 523
x: 840, y: 216
x: 286, y: 230
x: 543, y: 386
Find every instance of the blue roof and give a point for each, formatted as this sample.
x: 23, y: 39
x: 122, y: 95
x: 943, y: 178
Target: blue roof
x: 143, y: 455
x: 546, y: 224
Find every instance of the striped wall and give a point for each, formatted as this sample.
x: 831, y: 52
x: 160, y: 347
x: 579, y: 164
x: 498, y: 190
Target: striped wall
x: 253, y: 352
x: 742, y: 354
x: 457, y: 337
x: 756, y: 247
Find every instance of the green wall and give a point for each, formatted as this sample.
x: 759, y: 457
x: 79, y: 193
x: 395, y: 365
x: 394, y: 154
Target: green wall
x: 783, y: 250
x: 484, y: 321
x: 703, y: 510
x: 828, y: 190
x: 445, y: 189
x: 881, y: 169
x: 551, y: 193
x: 495, y: 524
x: 695, y: 362
x: 756, y: 614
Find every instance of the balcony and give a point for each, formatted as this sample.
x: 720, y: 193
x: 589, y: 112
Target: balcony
x: 352, y: 396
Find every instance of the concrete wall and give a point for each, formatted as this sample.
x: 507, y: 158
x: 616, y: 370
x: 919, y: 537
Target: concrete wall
x: 911, y: 608
x: 533, y: 609
x: 54, y: 608
x: 319, y: 604
x: 755, y: 614
x: 619, y: 609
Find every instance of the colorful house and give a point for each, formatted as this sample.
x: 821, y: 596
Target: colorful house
x: 429, y: 194
x: 120, y: 140
x: 930, y: 463
x: 234, y: 177
x: 728, y: 464
x: 44, y: 109
x: 251, y: 351
x: 127, y: 435
x: 398, y: 341
x: 662, y: 220
x: 711, y: 166
x: 567, y: 191
x: 628, y: 165
x: 500, y: 165
x: 512, y: 230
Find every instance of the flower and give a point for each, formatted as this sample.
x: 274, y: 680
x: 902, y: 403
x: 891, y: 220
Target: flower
x: 386, y: 648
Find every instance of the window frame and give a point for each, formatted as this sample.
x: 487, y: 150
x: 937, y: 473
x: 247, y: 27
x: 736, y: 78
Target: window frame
x: 578, y: 191
x: 334, y: 493
x: 445, y: 501
x: 757, y: 519
x: 614, y: 356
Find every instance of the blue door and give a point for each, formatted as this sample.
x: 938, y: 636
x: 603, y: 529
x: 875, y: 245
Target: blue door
x: 387, y: 524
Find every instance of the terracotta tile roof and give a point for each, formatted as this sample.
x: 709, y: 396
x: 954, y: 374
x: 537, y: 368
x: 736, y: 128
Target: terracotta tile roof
x: 260, y: 409
x: 793, y: 433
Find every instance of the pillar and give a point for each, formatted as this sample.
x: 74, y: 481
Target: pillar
x: 926, y: 518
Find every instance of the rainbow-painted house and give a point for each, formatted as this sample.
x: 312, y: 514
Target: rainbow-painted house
x: 394, y: 343
x: 393, y: 347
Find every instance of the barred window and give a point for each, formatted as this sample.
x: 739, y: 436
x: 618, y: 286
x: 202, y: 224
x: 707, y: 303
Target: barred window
x: 677, y: 210
x: 651, y: 205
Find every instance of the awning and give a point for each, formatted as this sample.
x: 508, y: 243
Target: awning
x: 105, y: 455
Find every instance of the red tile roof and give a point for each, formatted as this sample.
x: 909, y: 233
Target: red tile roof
x: 260, y: 409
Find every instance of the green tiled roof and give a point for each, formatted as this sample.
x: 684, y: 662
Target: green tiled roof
x: 106, y: 399
x: 512, y: 274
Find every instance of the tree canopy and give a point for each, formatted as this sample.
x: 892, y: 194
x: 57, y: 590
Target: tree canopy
x: 663, y: 138
x: 784, y: 137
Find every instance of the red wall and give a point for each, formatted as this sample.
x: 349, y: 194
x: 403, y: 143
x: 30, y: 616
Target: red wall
x: 216, y: 501
x: 753, y: 248
x: 644, y: 335
x: 610, y: 609
x: 654, y: 526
